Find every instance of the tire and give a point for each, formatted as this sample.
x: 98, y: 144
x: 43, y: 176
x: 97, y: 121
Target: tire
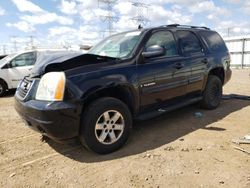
x: 212, y: 94
x: 106, y: 125
x: 3, y: 88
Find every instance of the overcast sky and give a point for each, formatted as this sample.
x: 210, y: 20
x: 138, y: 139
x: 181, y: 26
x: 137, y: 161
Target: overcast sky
x: 79, y: 22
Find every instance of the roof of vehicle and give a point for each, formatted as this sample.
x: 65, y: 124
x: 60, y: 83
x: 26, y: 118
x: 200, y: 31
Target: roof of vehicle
x: 182, y: 27
x: 170, y: 26
x: 185, y: 26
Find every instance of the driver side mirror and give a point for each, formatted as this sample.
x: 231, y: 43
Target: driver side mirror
x: 9, y: 65
x: 153, y: 51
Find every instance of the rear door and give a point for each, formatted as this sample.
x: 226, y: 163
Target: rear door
x: 165, y: 78
x: 193, y: 52
x: 21, y: 66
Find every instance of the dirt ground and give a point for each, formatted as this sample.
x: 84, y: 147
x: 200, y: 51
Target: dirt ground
x: 175, y: 150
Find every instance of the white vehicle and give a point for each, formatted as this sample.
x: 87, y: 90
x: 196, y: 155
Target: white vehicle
x: 15, y: 67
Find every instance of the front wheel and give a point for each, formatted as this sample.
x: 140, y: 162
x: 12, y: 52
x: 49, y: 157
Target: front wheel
x: 3, y: 88
x: 212, y: 94
x: 106, y: 125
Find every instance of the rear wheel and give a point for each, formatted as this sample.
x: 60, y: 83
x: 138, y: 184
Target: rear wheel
x: 212, y: 94
x: 106, y: 125
x: 3, y: 88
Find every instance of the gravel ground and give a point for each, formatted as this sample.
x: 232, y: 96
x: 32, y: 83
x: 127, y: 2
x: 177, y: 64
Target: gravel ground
x: 175, y: 150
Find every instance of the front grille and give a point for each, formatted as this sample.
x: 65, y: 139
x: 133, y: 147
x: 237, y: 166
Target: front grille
x: 24, y: 87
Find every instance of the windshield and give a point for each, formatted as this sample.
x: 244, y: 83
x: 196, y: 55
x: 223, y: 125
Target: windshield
x: 117, y: 46
x: 6, y: 59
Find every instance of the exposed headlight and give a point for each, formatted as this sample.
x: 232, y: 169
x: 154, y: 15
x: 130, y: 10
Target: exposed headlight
x: 51, y: 87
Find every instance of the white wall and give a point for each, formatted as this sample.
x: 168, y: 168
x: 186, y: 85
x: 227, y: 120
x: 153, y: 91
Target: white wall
x: 238, y: 56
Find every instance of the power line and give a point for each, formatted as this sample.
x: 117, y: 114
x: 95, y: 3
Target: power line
x: 109, y: 18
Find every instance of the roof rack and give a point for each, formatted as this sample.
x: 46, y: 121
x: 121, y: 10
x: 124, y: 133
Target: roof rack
x: 186, y: 26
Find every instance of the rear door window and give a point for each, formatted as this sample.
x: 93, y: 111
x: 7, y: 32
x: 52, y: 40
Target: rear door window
x: 214, y: 41
x: 189, y: 43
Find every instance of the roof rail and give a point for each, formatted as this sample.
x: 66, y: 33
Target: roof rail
x: 186, y: 26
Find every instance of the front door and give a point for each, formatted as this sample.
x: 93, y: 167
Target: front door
x: 20, y: 67
x: 162, y: 79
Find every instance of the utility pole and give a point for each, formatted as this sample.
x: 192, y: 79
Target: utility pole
x: 140, y: 19
x: 4, y: 49
x: 14, y: 41
x: 31, y: 41
x: 109, y: 18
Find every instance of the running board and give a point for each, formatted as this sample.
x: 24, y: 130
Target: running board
x: 161, y: 111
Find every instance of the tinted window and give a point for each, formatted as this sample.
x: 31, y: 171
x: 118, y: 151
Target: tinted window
x: 164, y: 39
x: 214, y: 41
x: 188, y: 42
x: 24, y: 60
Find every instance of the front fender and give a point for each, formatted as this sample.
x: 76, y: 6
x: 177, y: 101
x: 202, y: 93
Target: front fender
x: 89, y: 84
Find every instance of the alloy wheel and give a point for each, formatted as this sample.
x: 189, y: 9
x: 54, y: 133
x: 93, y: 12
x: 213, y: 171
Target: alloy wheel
x: 109, y: 127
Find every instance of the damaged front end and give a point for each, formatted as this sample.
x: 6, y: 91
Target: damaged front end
x: 48, y: 101
x: 67, y: 62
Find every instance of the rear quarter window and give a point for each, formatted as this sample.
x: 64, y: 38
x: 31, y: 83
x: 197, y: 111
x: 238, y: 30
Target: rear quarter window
x: 214, y: 41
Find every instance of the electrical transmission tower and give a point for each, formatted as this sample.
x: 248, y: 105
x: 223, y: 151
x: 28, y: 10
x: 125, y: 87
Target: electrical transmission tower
x: 140, y: 18
x: 31, y: 40
x: 109, y: 18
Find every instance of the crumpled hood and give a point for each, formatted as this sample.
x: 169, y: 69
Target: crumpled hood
x: 65, y: 61
x: 46, y: 58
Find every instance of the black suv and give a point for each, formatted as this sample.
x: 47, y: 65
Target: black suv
x: 132, y: 75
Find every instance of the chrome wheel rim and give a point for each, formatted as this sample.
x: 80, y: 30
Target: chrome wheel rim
x: 109, y: 127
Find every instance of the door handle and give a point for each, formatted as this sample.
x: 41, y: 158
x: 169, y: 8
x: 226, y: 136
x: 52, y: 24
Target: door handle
x: 205, y: 61
x: 178, y: 65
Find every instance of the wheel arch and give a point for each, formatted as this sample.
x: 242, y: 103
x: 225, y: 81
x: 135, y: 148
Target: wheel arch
x: 122, y: 92
x: 2, y: 80
x: 219, y: 72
